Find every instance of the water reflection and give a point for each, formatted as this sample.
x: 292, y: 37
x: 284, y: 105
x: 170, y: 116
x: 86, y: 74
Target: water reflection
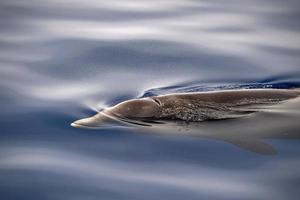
x: 108, y: 178
x: 46, y: 45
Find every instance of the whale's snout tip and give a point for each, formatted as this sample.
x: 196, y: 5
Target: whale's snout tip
x: 75, y: 125
x: 84, y: 123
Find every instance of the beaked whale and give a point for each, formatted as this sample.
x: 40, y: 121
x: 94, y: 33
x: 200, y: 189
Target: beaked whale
x: 198, y: 106
x: 174, y: 113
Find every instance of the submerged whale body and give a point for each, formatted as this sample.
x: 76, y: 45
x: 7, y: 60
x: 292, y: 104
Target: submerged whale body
x: 195, y: 114
x: 191, y: 107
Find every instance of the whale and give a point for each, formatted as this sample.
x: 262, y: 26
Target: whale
x: 193, y: 107
x: 215, y: 115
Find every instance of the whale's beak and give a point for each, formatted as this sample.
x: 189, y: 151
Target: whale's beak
x: 84, y: 123
x: 100, y: 120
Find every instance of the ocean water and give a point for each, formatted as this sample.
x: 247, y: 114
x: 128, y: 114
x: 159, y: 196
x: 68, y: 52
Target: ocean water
x: 65, y: 60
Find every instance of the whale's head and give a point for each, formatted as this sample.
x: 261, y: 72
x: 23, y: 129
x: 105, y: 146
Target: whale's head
x: 132, y: 109
x: 136, y: 108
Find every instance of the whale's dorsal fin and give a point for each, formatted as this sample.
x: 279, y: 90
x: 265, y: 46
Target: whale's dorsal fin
x: 253, y: 145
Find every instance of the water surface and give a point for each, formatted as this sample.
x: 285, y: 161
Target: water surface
x: 62, y: 60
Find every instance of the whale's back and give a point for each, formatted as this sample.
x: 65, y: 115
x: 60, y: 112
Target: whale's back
x: 221, y: 104
x: 232, y: 96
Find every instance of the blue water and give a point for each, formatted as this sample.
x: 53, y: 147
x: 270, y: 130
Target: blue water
x: 61, y: 61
